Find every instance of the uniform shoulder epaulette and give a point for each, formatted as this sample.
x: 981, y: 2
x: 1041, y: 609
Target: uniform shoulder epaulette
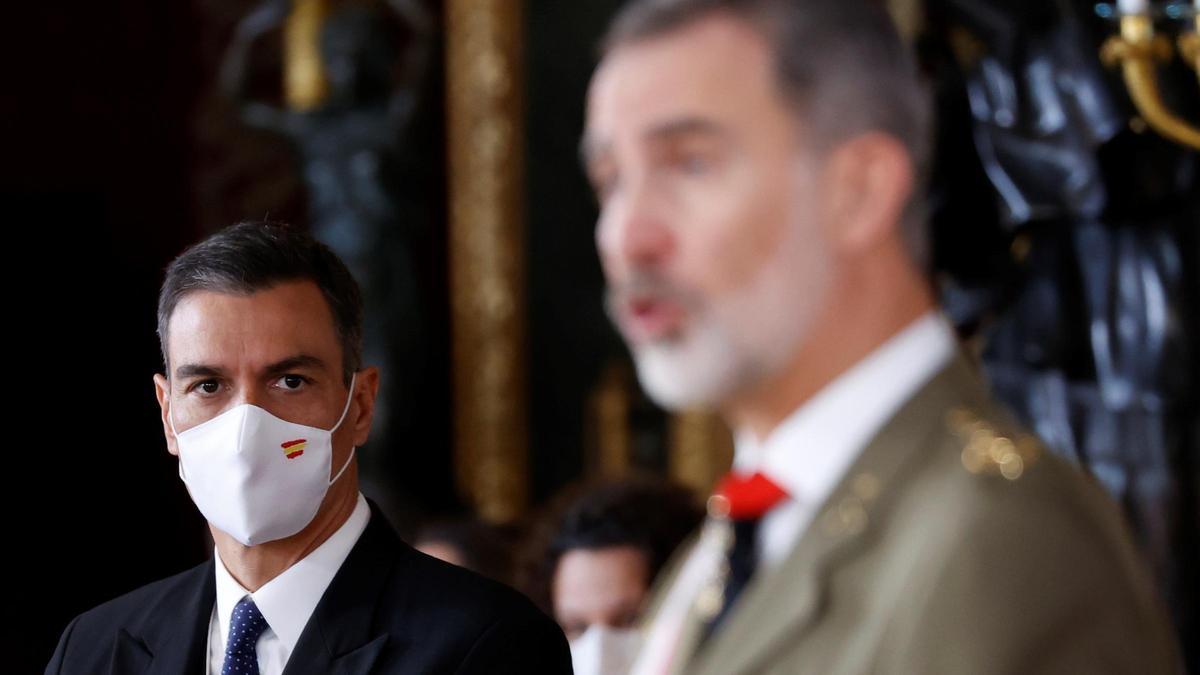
x: 988, y: 451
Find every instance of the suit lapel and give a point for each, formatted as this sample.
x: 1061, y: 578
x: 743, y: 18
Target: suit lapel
x: 174, y: 636
x: 777, y: 608
x: 130, y: 654
x: 338, y: 638
x: 361, y: 660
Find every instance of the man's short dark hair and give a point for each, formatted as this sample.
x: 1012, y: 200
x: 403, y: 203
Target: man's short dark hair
x: 840, y: 64
x: 254, y: 256
x: 649, y: 514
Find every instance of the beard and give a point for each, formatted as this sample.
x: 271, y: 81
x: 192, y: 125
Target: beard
x: 736, y: 341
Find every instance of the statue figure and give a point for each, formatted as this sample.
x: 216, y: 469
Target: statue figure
x: 363, y: 201
x: 1091, y: 347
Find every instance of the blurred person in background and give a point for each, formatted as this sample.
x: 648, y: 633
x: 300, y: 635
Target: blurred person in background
x: 481, y: 547
x: 759, y: 166
x: 593, y: 556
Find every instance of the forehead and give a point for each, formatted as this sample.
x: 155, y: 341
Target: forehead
x: 278, y: 322
x: 598, y: 578
x: 717, y: 68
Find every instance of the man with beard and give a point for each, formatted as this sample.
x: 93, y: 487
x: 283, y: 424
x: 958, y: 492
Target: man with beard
x: 758, y: 165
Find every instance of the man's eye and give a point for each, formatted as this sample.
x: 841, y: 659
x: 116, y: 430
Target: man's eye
x: 291, y: 381
x: 207, y: 387
x: 694, y: 164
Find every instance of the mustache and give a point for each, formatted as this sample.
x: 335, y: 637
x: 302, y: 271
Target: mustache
x: 644, y: 285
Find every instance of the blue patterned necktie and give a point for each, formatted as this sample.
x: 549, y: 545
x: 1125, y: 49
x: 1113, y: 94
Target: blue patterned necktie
x: 246, y: 626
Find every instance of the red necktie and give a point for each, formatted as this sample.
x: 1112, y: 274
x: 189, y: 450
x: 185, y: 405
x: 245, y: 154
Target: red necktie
x: 746, y: 496
x: 743, y: 500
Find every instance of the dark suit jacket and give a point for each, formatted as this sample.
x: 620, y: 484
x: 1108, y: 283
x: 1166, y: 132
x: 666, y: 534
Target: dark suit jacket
x: 389, y: 609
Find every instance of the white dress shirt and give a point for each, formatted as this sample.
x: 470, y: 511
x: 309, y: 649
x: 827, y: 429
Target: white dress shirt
x: 287, y: 601
x: 807, y: 455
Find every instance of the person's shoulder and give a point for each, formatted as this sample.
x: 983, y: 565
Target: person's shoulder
x: 135, y: 607
x: 1003, y: 476
x: 961, y: 476
x: 995, y: 501
x: 87, y: 643
x: 421, y: 578
x: 495, y: 628
x: 1019, y: 545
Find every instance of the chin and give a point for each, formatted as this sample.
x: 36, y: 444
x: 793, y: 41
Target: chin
x: 687, y: 373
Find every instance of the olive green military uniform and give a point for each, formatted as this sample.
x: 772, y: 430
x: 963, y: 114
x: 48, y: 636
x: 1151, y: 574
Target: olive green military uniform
x: 954, y: 544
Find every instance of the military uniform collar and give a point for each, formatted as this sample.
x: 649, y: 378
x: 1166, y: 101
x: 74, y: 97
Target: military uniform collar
x: 811, y: 450
x: 855, y: 507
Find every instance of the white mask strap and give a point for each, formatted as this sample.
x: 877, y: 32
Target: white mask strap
x: 339, y: 423
x: 345, y: 410
x: 344, y: 466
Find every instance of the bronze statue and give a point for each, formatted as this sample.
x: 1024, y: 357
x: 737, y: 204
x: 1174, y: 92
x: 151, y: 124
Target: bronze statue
x: 349, y: 135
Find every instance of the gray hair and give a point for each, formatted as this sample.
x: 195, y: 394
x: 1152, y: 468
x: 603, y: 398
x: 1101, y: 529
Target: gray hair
x: 840, y: 64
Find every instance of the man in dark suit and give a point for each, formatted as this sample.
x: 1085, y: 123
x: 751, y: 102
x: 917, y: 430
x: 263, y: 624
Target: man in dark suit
x: 264, y: 401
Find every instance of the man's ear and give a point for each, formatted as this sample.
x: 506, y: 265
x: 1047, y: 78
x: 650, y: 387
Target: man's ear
x: 870, y: 180
x: 366, y: 388
x: 162, y: 389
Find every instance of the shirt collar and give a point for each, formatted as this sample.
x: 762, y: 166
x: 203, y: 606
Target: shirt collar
x: 288, y: 601
x: 813, y: 447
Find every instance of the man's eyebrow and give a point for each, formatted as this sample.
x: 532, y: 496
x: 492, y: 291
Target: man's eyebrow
x: 198, y: 370
x: 685, y: 126
x: 591, y: 149
x: 296, y: 362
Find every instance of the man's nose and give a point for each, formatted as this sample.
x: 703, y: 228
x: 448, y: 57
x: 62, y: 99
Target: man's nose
x: 633, y: 229
x: 248, y: 393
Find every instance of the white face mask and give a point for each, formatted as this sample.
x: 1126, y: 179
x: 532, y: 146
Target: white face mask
x: 605, y: 651
x: 254, y: 476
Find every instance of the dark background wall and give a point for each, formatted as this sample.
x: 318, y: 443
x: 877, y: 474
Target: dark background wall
x: 570, y: 337
x: 95, y: 185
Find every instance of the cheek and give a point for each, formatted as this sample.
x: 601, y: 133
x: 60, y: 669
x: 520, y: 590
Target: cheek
x: 735, y: 234
x: 606, y: 245
x: 186, y: 411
